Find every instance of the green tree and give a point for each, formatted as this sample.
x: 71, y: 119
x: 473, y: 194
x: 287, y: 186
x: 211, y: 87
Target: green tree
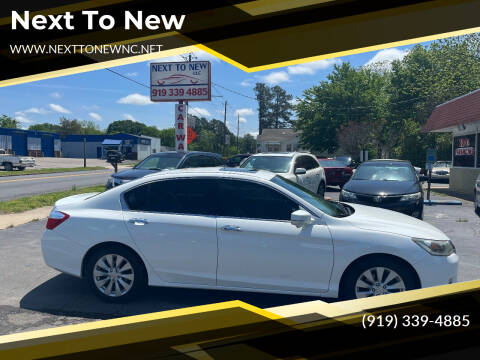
x: 8, y: 122
x: 264, y: 97
x: 167, y: 137
x: 126, y: 126
x: 280, y: 115
x: 45, y: 127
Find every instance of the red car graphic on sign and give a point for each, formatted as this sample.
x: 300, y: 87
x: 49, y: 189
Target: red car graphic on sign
x: 177, y: 78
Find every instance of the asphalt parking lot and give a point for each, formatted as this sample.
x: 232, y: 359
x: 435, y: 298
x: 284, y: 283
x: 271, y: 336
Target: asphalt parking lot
x: 34, y: 296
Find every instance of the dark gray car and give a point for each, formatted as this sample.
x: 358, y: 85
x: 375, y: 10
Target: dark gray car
x: 165, y: 161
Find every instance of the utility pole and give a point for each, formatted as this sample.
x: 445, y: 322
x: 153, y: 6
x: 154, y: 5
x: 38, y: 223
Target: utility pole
x: 238, y: 129
x: 225, y: 127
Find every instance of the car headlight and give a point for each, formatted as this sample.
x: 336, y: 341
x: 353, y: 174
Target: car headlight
x: 436, y: 247
x: 347, y: 195
x: 411, y: 197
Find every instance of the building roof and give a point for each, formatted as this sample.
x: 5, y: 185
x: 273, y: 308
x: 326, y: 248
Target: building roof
x: 277, y: 134
x: 29, y: 133
x: 461, y: 110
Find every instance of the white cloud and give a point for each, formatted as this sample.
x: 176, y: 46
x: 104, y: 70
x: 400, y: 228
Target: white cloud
x: 242, y: 119
x: 253, y: 133
x: 129, y: 117
x: 59, y: 109
x: 246, y: 83
x: 386, y: 56
x: 95, y: 116
x: 33, y: 110
x: 312, y: 67
x: 200, y: 111
x: 56, y: 95
x: 244, y: 112
x: 132, y: 74
x: 23, y: 119
x: 90, y: 107
x: 294, y: 101
x: 276, y: 77
x: 135, y: 99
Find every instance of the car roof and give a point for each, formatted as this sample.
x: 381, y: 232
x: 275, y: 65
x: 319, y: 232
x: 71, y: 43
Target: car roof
x: 290, y: 154
x: 387, y: 161
x: 214, y: 171
x: 188, y: 153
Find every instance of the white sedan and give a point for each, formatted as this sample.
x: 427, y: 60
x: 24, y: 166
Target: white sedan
x: 238, y: 229
x: 301, y: 168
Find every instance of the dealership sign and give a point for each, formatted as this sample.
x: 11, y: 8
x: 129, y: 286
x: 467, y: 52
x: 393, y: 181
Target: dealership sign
x: 180, y: 127
x: 179, y: 81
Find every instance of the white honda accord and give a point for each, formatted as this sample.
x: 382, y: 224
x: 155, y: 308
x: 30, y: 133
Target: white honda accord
x: 239, y: 229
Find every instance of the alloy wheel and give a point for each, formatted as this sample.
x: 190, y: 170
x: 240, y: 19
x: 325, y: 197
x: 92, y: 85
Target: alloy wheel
x: 113, y: 275
x: 378, y: 281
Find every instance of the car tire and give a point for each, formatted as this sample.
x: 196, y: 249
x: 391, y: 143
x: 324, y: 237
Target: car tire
x: 125, y: 275
x: 399, y: 277
x: 321, y: 189
x: 8, y: 166
x: 21, y: 168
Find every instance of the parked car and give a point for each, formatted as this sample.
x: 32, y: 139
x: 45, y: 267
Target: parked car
x: 441, y: 170
x: 299, y: 167
x: 165, y: 161
x: 476, y: 195
x: 391, y: 184
x: 10, y: 162
x: 347, y: 161
x: 336, y: 172
x: 235, y: 161
x: 238, y: 229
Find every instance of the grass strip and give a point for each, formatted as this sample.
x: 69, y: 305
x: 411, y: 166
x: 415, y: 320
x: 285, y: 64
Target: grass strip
x: 36, y: 201
x: 49, y: 171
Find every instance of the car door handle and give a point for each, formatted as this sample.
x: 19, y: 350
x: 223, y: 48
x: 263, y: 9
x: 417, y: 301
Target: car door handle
x: 231, y: 228
x: 138, y: 222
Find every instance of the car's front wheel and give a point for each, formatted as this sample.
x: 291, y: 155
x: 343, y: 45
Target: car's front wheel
x: 476, y: 203
x: 115, y: 274
x: 377, y: 276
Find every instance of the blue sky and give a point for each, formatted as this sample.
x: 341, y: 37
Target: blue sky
x: 104, y: 97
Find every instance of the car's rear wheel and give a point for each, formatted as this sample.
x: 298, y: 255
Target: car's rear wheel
x: 377, y: 276
x: 8, y: 166
x: 115, y: 274
x: 21, y: 168
x: 321, y: 189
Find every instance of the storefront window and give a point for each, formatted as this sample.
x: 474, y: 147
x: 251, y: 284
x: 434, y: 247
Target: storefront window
x: 464, y: 151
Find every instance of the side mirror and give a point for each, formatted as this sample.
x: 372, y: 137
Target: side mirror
x: 301, y: 218
x: 300, y: 171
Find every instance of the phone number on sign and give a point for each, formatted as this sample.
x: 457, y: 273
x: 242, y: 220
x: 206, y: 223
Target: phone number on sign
x: 180, y: 92
x: 393, y: 321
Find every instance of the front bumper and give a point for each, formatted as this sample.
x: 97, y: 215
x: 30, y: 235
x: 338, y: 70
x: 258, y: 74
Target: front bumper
x: 437, y: 270
x: 405, y: 207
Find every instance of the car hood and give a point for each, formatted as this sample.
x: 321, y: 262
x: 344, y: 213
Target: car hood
x: 132, y: 174
x: 382, y: 220
x: 377, y: 187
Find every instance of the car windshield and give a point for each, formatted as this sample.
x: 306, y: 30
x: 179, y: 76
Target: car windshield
x: 331, y: 208
x: 331, y: 163
x: 442, y: 164
x: 160, y: 162
x: 278, y: 164
x: 384, y: 172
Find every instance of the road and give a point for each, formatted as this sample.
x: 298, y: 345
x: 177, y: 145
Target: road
x: 12, y: 187
x: 34, y: 296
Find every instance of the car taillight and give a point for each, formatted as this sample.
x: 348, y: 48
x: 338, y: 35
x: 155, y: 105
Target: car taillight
x: 56, y: 218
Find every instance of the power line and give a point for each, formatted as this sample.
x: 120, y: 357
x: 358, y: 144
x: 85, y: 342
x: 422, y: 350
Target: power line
x: 234, y: 92
x: 126, y: 77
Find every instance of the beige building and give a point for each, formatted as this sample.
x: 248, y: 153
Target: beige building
x: 278, y: 140
x: 461, y: 117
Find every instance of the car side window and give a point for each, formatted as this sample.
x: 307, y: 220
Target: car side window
x: 245, y: 199
x: 192, y: 161
x: 312, y: 163
x: 179, y: 196
x: 207, y: 161
x: 299, y: 163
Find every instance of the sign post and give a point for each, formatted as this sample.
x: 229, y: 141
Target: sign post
x: 181, y: 126
x: 181, y: 82
x: 431, y: 158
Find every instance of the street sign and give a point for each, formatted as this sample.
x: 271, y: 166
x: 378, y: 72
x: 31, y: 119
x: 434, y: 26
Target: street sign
x: 180, y: 127
x: 431, y: 155
x: 177, y: 81
x: 191, y: 135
